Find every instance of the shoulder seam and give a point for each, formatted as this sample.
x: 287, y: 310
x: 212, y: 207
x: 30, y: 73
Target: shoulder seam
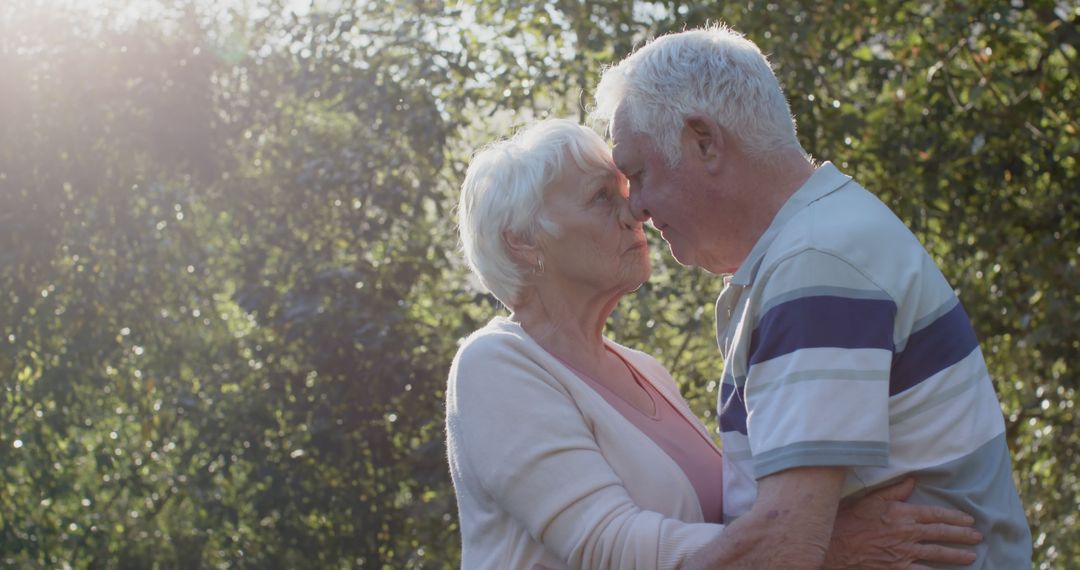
x: 775, y: 264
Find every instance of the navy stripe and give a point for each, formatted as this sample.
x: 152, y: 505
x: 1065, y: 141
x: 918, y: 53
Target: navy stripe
x: 732, y: 409
x: 823, y: 321
x: 944, y: 342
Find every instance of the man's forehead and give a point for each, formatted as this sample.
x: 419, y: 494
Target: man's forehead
x: 620, y: 156
x: 625, y: 148
x: 620, y: 140
x: 617, y: 129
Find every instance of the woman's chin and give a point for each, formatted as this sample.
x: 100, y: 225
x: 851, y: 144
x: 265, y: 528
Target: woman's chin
x: 641, y: 280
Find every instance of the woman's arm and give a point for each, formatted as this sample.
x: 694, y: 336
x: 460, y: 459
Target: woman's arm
x: 523, y: 440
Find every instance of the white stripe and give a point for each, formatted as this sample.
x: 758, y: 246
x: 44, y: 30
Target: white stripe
x: 813, y: 268
x: 951, y: 431
x: 823, y: 410
x: 766, y: 375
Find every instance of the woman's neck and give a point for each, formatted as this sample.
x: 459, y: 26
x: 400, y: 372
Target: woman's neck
x: 569, y: 326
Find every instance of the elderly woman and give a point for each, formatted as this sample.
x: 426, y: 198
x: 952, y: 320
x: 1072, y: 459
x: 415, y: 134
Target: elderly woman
x: 569, y: 450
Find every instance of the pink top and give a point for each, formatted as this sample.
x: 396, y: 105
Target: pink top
x: 698, y: 457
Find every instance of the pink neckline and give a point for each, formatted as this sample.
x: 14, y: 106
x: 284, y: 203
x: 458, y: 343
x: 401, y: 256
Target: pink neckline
x: 639, y: 378
x: 655, y: 416
x: 651, y: 390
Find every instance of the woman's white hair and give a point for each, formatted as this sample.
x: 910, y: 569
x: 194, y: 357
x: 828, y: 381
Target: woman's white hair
x: 712, y: 70
x: 503, y: 193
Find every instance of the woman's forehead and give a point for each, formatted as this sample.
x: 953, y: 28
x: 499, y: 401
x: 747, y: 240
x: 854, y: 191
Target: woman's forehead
x: 596, y: 174
x: 574, y: 179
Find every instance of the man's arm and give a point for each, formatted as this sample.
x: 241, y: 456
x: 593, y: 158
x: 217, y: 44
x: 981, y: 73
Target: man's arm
x: 789, y: 526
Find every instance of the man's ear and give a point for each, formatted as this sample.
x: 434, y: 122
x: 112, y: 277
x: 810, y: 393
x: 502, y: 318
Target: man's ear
x: 703, y: 138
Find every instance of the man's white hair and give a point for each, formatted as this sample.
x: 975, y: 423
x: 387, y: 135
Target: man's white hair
x: 713, y: 70
x: 504, y: 191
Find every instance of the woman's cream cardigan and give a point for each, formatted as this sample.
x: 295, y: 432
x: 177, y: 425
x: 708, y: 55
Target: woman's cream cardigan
x: 547, y: 473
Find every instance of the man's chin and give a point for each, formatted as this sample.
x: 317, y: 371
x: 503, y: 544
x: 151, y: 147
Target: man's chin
x: 683, y: 257
x: 688, y: 259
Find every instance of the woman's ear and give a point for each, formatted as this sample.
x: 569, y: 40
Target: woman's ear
x: 703, y: 139
x: 523, y: 250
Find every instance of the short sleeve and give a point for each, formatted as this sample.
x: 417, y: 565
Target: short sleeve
x: 817, y: 386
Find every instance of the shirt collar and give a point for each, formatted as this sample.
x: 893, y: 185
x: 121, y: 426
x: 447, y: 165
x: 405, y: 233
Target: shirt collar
x: 825, y: 180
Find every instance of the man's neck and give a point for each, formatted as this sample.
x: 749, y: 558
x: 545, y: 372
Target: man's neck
x: 758, y: 191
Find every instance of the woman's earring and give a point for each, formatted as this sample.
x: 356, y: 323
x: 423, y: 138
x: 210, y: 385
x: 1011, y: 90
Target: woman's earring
x: 539, y: 270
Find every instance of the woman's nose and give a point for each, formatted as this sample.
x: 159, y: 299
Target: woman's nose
x: 627, y: 216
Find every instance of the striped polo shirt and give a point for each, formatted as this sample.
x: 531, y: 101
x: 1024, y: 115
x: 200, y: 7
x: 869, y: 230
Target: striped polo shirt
x: 844, y: 345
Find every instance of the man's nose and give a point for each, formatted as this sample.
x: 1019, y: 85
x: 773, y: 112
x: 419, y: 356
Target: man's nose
x: 627, y: 217
x: 637, y: 207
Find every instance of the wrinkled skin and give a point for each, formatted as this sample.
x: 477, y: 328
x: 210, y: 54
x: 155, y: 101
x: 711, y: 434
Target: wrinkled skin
x: 880, y: 531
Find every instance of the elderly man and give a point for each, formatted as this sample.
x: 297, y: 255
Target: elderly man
x: 848, y: 360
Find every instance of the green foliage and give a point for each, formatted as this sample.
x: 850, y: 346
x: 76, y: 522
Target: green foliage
x: 229, y: 274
